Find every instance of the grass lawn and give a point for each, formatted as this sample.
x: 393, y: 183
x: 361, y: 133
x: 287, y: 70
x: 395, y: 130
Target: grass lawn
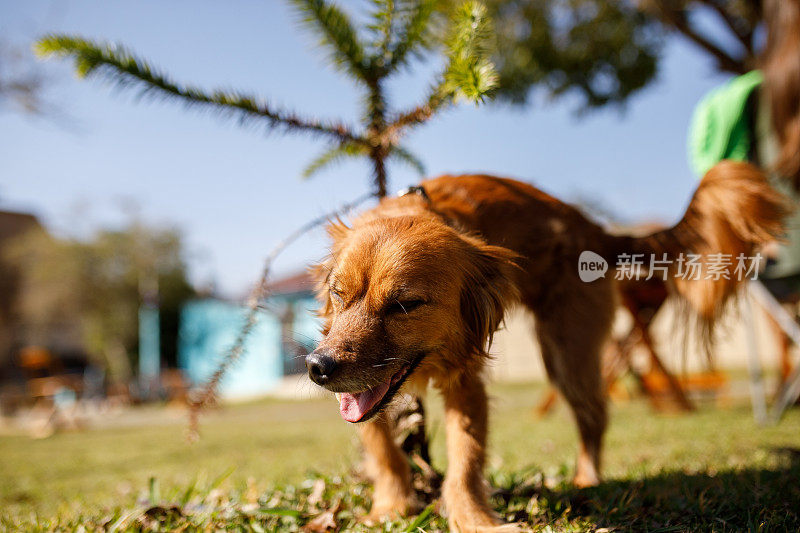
x: 275, y: 466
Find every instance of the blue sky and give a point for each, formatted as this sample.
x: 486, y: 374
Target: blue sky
x: 235, y: 193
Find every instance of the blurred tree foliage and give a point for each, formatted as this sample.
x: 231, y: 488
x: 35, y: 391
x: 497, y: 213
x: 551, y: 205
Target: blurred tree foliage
x: 93, y: 288
x: 737, y: 20
x: 26, y: 88
x: 603, y: 51
x: 22, y: 83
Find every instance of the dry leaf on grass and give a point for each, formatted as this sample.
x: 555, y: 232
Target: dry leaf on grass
x: 317, y: 491
x: 324, y: 522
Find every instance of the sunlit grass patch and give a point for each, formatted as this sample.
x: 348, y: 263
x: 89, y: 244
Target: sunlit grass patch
x: 286, y: 466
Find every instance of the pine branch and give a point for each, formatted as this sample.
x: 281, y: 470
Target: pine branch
x: 471, y: 81
x: 118, y: 65
x: 414, y: 34
x: 402, y: 155
x: 338, y: 35
x: 418, y: 115
x: 375, y: 107
x: 383, y: 27
x: 468, y: 75
x: 332, y: 156
x: 377, y: 157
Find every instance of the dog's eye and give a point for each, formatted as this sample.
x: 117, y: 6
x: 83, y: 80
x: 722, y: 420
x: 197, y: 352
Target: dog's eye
x: 336, y: 295
x: 404, y: 307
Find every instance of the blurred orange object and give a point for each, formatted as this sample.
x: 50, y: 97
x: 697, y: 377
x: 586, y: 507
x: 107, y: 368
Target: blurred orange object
x: 35, y: 358
x: 705, y: 384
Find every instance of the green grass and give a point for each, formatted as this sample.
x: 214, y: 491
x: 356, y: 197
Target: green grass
x: 275, y: 466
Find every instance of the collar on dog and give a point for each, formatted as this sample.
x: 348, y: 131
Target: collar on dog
x: 416, y: 189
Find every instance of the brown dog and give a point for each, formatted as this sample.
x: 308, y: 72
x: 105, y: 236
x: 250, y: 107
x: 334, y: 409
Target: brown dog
x: 414, y: 289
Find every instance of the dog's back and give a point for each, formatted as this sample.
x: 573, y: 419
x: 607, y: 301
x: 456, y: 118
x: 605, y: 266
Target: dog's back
x: 547, y: 233
x: 733, y: 210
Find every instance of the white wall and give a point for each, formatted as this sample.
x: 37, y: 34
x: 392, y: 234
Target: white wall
x: 517, y: 356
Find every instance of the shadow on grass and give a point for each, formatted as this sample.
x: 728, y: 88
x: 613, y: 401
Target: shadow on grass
x: 765, y: 499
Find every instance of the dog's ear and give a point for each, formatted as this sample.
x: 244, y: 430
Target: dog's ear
x: 488, y: 290
x: 320, y: 273
x: 337, y: 231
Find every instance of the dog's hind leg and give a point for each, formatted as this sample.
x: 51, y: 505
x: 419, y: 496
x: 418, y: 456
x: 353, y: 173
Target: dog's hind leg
x: 388, y: 467
x: 572, y: 333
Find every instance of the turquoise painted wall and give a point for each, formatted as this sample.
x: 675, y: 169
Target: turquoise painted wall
x: 209, y: 327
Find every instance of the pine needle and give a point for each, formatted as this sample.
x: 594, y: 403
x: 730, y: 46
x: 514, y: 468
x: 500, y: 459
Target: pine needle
x: 116, y: 64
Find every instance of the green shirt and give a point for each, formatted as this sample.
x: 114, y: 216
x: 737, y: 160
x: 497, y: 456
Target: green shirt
x: 725, y: 125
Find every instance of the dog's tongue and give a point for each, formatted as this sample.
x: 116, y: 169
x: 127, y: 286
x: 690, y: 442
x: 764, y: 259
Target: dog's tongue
x: 353, y: 406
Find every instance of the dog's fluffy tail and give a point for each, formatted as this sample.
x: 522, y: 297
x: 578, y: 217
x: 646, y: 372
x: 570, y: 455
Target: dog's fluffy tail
x: 732, y: 212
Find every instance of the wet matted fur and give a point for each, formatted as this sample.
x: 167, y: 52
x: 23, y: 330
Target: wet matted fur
x: 414, y: 289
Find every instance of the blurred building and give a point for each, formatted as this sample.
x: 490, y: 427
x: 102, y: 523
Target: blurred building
x: 287, y: 329
x: 12, y: 226
x: 61, y: 338
x: 33, y: 365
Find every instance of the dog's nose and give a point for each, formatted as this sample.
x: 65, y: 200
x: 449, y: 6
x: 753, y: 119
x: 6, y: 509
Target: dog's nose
x: 320, y: 367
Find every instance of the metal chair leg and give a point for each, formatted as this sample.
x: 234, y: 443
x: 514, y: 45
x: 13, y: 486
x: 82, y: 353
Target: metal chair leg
x: 790, y: 390
x: 757, y: 392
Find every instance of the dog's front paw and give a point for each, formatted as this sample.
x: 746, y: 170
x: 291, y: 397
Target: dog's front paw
x: 586, y: 476
x: 472, y: 523
x: 468, y: 511
x: 391, y: 509
x: 486, y: 524
x: 502, y: 528
x: 473, y: 519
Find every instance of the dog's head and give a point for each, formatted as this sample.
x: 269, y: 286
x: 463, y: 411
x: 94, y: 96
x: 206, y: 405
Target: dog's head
x: 401, y: 294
